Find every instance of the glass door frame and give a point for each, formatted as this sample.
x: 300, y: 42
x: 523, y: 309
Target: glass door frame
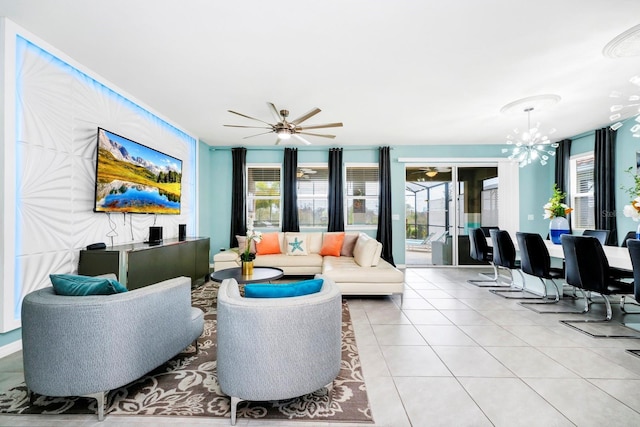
x: 507, y: 169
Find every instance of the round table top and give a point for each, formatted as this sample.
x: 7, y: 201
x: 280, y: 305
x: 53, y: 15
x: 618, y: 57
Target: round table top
x: 260, y: 274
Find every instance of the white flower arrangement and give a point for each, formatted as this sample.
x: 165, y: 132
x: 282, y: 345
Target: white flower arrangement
x: 632, y: 210
x: 252, y: 235
x: 554, y: 208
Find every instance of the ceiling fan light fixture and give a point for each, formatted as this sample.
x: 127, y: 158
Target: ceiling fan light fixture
x: 284, y: 134
x: 285, y: 129
x: 431, y: 174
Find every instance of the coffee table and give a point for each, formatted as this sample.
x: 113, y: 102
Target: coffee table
x: 260, y: 274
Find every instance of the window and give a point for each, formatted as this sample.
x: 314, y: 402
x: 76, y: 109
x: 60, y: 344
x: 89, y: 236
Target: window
x: 313, y: 193
x: 362, y: 193
x: 263, y: 196
x: 582, y: 200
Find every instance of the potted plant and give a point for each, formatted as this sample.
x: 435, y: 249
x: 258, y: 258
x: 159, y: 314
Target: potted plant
x: 632, y: 210
x: 247, y: 257
x: 557, y: 211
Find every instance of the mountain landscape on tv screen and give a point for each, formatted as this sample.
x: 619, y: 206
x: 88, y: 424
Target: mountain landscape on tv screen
x: 126, y: 183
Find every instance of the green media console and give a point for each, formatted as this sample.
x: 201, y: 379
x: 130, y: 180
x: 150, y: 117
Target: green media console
x: 141, y: 264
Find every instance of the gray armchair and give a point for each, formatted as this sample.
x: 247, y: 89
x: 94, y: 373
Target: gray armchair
x: 88, y: 345
x: 277, y: 348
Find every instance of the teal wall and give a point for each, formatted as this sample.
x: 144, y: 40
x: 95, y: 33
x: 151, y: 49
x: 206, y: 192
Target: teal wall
x: 536, y: 184
x: 536, y: 181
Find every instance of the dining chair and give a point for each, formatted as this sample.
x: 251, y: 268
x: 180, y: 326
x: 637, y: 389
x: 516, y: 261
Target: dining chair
x: 629, y: 235
x: 480, y: 251
x: 487, y: 230
x: 587, y: 268
x: 633, y: 245
x: 504, y: 256
x: 535, y: 261
x: 601, y: 235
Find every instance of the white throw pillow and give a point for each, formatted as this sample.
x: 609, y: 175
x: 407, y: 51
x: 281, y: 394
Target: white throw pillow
x: 365, y: 250
x: 376, y: 255
x: 296, y: 244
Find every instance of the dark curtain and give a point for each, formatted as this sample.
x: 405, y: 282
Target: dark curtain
x: 563, y: 153
x: 289, y: 191
x: 384, y: 234
x: 336, y: 194
x: 604, y: 183
x: 238, y: 201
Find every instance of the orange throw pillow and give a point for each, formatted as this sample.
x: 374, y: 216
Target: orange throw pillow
x: 332, y: 243
x: 270, y: 244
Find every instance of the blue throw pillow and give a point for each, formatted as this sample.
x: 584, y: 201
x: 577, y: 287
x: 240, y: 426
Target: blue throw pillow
x: 296, y: 289
x: 74, y: 285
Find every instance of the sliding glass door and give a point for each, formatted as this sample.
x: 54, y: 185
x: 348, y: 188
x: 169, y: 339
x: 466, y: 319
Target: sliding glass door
x: 443, y: 202
x: 477, y: 205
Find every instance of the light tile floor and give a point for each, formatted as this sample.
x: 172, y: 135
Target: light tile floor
x: 455, y: 355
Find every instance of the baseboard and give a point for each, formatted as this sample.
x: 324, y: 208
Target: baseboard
x: 10, y: 348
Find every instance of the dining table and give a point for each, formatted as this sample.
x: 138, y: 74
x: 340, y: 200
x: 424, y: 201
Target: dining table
x: 616, y: 256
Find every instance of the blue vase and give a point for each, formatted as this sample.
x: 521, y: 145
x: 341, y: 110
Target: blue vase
x: 557, y: 227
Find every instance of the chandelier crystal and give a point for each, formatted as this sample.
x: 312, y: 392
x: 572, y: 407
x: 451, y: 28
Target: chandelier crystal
x: 627, y: 108
x: 530, y: 145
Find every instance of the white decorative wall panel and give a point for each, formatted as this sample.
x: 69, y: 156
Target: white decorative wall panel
x: 58, y: 110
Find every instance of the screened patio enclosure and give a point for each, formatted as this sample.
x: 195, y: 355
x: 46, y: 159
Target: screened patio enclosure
x: 442, y: 203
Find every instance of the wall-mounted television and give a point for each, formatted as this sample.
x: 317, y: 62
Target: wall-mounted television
x: 133, y: 178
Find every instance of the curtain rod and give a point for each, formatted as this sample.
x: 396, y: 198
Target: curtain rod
x: 299, y: 149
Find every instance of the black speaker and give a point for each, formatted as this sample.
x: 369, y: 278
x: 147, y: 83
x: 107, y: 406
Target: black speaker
x: 182, y: 232
x: 155, y: 235
x: 96, y: 246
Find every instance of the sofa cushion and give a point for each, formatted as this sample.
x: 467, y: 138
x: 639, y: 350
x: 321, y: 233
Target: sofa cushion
x: 348, y: 244
x: 346, y: 270
x: 270, y: 244
x: 284, y: 261
x: 365, y: 250
x: 75, y: 285
x: 332, y: 243
x: 269, y: 290
x: 296, y: 243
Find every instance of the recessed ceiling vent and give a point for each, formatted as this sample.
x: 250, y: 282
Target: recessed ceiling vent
x: 625, y: 45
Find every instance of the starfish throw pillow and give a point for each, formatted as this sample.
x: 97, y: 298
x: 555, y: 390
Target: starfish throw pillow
x: 296, y: 244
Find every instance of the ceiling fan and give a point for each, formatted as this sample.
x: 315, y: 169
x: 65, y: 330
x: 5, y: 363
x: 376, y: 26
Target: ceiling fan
x: 285, y: 129
x: 433, y: 171
x: 303, y: 173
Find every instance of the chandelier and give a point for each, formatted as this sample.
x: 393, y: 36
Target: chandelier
x: 621, y: 112
x: 530, y: 145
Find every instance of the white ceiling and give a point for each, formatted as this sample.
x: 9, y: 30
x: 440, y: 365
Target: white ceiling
x: 396, y: 72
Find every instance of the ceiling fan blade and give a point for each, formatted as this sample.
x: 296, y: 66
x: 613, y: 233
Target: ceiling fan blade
x: 328, y: 125
x: 274, y: 110
x: 295, y: 135
x: 263, y: 133
x: 250, y: 127
x: 305, y: 116
x: 317, y: 134
x: 248, y: 117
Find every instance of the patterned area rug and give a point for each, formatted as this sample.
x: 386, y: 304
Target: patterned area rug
x: 187, y: 385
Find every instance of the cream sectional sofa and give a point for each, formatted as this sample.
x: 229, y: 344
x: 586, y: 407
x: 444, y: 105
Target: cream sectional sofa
x: 364, y: 273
